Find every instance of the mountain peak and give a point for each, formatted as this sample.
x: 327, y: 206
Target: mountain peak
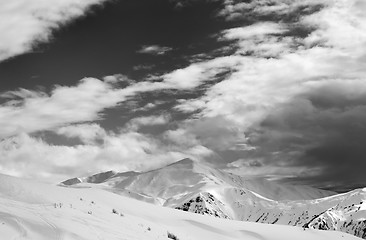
x: 185, y: 161
x: 96, y: 178
x: 100, y: 177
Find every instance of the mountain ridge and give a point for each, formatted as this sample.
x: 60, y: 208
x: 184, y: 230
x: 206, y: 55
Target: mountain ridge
x: 195, y: 187
x: 32, y: 210
x: 188, y: 173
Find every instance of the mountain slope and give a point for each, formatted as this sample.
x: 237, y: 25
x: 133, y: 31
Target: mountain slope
x: 30, y: 210
x: 187, y: 176
x: 193, y: 187
x: 343, y: 212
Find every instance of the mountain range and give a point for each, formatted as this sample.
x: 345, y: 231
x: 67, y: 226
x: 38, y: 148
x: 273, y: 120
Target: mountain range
x: 195, y: 187
x: 31, y: 210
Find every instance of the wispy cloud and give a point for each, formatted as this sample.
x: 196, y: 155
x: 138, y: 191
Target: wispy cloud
x: 154, y: 49
x: 26, y: 111
x: 30, y: 111
x: 280, y: 10
x: 143, y: 67
x: 24, y: 23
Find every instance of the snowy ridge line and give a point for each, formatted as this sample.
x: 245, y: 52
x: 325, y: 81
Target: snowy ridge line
x: 95, y: 213
x: 194, y: 187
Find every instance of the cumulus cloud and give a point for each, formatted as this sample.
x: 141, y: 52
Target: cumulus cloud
x: 275, y: 68
x: 152, y: 120
x: 24, y: 23
x: 87, y: 133
x: 30, y: 111
x: 258, y: 83
x: 27, y: 156
x: 154, y: 49
x: 68, y: 111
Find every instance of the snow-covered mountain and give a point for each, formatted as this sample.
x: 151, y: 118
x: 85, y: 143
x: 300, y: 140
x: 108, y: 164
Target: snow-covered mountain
x: 195, y: 187
x: 96, y: 178
x: 343, y: 212
x: 36, y: 211
x: 187, y: 177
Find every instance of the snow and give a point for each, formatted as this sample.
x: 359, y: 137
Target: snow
x: 187, y: 176
x: 194, y: 187
x: 31, y: 210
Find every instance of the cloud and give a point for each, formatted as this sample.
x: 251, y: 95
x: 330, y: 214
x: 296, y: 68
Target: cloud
x: 24, y: 23
x: 87, y: 133
x: 27, y: 156
x: 215, y: 132
x: 179, y: 4
x: 258, y: 83
x: 272, y: 79
x: 154, y: 49
x: 278, y: 10
x: 138, y: 122
x: 322, y: 129
x: 143, y: 67
x: 30, y: 111
x: 280, y: 105
x: 245, y: 162
x: 260, y: 39
x: 181, y: 137
x: 150, y: 106
x: 254, y: 30
x: 198, y: 73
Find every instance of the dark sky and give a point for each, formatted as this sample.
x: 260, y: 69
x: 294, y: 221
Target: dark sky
x: 106, y: 41
x: 271, y: 89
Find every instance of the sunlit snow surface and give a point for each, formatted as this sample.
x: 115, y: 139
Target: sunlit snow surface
x: 30, y: 210
x: 194, y: 187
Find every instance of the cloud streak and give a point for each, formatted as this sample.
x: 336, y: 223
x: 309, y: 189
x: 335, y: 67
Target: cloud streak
x: 30, y: 111
x: 24, y: 24
x: 154, y: 49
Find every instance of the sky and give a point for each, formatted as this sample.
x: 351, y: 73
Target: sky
x: 259, y: 88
